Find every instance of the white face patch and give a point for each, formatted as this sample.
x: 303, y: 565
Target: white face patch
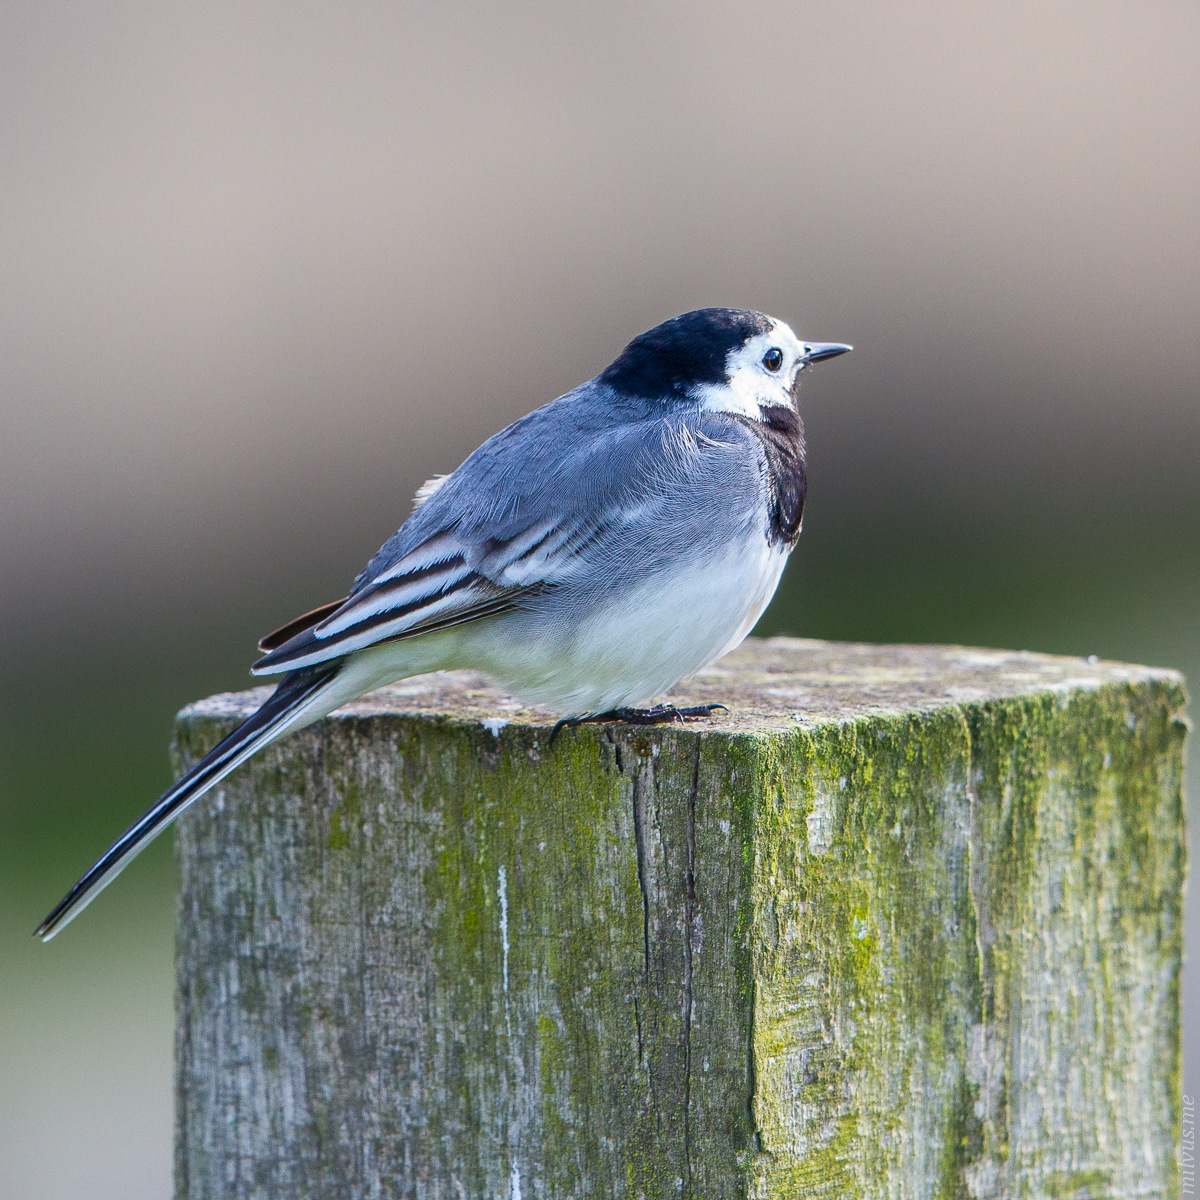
x: 752, y: 384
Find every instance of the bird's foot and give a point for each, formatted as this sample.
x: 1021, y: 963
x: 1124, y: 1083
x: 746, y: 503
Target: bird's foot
x: 660, y: 714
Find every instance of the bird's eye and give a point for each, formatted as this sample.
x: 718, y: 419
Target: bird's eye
x: 773, y: 359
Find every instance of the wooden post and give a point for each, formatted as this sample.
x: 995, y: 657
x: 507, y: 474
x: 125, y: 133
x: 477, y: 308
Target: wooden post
x: 905, y: 922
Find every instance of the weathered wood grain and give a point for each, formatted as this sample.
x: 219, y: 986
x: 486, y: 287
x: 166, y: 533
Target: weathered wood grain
x: 905, y: 922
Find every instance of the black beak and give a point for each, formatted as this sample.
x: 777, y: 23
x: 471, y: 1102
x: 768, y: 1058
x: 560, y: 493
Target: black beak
x: 819, y: 351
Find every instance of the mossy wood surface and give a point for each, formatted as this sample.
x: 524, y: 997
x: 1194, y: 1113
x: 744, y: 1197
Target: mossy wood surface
x: 905, y: 922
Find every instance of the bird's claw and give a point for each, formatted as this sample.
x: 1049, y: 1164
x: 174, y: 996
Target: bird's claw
x: 660, y: 714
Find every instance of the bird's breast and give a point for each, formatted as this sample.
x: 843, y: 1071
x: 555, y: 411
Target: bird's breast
x: 637, y: 642
x: 780, y: 433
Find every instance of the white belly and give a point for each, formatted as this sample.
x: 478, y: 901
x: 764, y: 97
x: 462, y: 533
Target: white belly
x: 639, y: 644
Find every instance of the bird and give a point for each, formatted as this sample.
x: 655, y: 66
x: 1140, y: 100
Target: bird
x: 587, y: 557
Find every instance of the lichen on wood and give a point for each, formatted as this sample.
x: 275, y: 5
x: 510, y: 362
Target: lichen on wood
x: 905, y: 921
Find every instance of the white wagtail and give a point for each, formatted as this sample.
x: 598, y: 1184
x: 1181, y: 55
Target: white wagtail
x: 588, y: 557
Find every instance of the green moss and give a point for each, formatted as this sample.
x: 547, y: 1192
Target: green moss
x: 1077, y: 1185
x: 251, y: 996
x: 854, y: 939
x: 345, y: 819
x: 869, y: 926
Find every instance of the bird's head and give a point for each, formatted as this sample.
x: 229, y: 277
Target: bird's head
x: 722, y: 359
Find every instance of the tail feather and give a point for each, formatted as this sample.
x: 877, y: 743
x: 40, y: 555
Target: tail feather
x: 262, y: 727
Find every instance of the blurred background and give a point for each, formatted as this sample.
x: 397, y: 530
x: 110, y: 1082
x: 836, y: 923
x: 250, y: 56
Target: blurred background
x: 268, y: 267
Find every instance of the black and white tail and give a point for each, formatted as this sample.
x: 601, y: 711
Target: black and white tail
x: 280, y: 713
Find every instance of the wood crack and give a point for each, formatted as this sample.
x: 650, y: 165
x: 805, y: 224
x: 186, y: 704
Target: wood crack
x: 751, y: 1071
x: 639, y: 839
x: 689, y: 910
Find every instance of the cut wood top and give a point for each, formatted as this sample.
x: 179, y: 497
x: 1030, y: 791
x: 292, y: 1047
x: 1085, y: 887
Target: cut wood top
x: 769, y: 684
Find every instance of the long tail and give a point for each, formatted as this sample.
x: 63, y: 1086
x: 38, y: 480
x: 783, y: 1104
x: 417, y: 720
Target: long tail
x: 281, y: 712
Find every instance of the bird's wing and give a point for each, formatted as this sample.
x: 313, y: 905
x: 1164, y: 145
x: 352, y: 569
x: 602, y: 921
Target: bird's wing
x: 442, y: 582
x: 285, y: 633
x: 532, y: 510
